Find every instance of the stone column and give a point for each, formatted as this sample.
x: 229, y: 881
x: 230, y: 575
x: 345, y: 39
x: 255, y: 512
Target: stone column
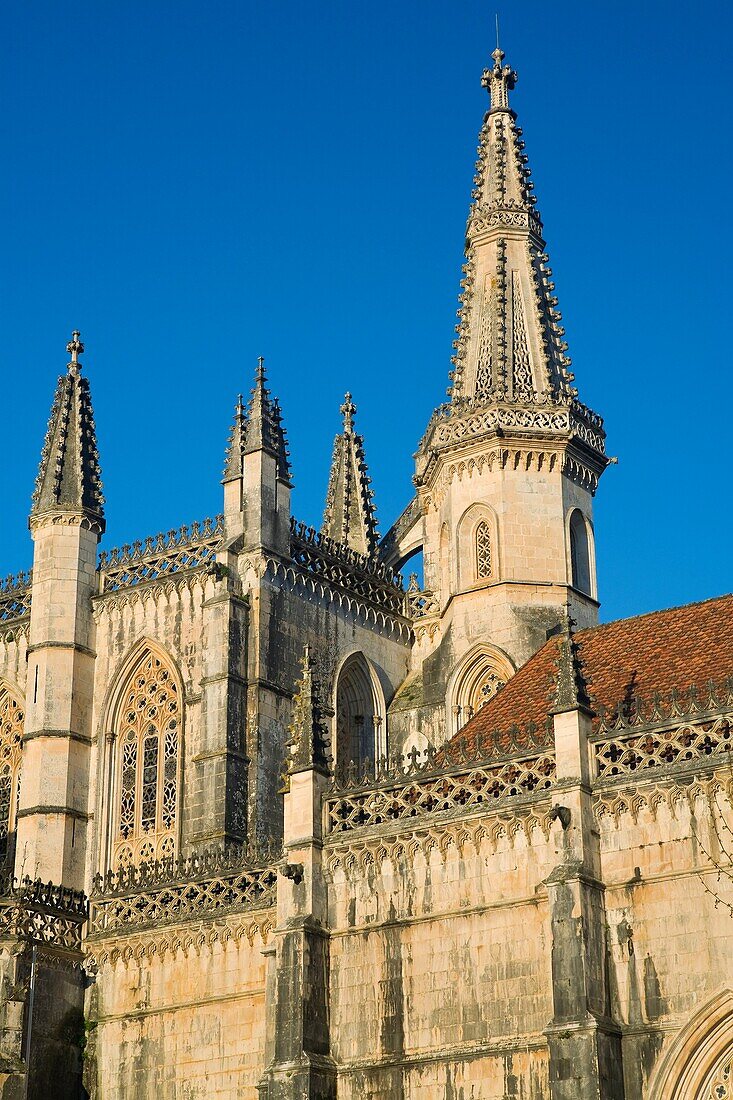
x: 302, y: 1067
x: 218, y: 795
x: 584, y: 1041
x: 53, y: 812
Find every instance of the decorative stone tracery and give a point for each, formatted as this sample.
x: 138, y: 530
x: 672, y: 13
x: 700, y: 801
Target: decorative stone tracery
x: 11, y: 732
x: 146, y: 801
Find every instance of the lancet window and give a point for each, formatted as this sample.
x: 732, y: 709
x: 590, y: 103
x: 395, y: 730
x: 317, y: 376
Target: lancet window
x: 148, y: 736
x: 11, y: 732
x: 483, y: 550
x: 580, y: 561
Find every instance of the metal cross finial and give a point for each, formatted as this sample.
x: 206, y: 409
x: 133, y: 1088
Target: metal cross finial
x: 75, y: 348
x: 348, y: 410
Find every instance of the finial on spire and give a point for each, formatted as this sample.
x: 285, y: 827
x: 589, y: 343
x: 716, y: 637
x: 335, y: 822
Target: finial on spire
x: 75, y: 348
x: 348, y: 411
x: 500, y: 79
x: 260, y: 374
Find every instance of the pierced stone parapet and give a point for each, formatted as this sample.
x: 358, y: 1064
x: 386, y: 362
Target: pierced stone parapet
x: 420, y: 603
x: 654, y: 749
x: 166, y: 891
x: 464, y: 421
x: 405, y: 787
x: 15, y: 596
x: 43, y: 913
x: 365, y: 577
x: 190, y: 547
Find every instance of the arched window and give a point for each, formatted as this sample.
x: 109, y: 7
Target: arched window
x: 358, y: 720
x: 580, y: 554
x: 11, y: 732
x: 483, y: 550
x: 148, y: 736
x: 483, y: 674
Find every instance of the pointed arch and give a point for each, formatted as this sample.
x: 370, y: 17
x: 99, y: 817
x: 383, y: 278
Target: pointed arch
x: 701, y: 1052
x: 359, y: 714
x: 474, y: 682
x: 581, y: 553
x: 477, y: 546
x: 12, y: 718
x: 143, y: 738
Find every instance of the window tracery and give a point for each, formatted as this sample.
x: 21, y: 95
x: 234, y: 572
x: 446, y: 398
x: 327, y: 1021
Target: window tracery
x: 11, y: 733
x: 147, y: 787
x: 477, y: 685
x: 483, y: 550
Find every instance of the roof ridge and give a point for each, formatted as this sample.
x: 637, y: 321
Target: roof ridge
x: 644, y: 615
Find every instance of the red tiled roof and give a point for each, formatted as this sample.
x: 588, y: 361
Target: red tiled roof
x: 659, y: 652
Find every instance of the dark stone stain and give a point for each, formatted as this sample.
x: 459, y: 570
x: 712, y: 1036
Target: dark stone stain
x: 654, y: 1003
x: 392, y: 994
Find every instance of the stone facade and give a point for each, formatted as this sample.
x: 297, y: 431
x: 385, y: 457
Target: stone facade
x: 276, y: 824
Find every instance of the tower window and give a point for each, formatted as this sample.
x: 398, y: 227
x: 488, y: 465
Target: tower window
x: 147, y: 786
x: 579, y: 553
x: 483, y: 550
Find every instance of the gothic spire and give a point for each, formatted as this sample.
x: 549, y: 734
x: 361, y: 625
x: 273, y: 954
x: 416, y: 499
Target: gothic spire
x: 309, y: 741
x: 69, y: 478
x: 234, y: 454
x: 571, y: 687
x: 257, y: 427
x: 510, y: 343
x: 350, y: 516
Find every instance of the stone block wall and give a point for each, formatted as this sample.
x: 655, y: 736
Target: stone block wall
x: 179, y: 1013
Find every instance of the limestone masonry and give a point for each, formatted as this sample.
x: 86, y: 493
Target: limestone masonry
x: 276, y: 825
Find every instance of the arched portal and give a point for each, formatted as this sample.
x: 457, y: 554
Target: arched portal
x: 698, y: 1064
x: 359, y: 715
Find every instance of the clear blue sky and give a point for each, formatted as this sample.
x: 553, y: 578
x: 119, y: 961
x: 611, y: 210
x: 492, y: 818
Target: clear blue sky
x: 196, y: 184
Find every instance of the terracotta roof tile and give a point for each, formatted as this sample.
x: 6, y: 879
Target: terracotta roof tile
x: 659, y: 652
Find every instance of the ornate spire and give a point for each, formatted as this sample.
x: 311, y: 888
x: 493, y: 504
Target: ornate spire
x: 234, y: 454
x: 258, y: 427
x: 350, y: 516
x: 309, y: 740
x: 69, y: 477
x: 510, y: 343
x: 571, y: 688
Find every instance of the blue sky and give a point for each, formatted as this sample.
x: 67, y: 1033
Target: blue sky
x: 193, y: 185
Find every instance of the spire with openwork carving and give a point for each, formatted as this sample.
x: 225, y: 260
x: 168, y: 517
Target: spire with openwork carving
x: 510, y: 342
x: 69, y: 478
x: 234, y: 455
x: 258, y: 427
x: 309, y: 741
x: 350, y: 516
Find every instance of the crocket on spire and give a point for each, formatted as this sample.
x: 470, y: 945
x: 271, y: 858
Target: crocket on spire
x: 510, y: 343
x: 69, y: 478
x: 350, y: 516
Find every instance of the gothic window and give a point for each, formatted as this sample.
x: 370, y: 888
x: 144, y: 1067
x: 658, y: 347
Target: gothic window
x: 357, y: 720
x: 147, y: 785
x: 580, y: 554
x: 11, y: 732
x: 478, y: 683
x: 483, y: 550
